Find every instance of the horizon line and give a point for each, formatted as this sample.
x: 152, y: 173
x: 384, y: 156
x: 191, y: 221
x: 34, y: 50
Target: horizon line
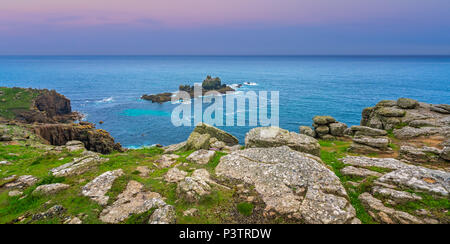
x: 229, y: 55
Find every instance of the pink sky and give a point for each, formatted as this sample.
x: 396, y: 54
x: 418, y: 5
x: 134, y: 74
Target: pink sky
x: 42, y: 19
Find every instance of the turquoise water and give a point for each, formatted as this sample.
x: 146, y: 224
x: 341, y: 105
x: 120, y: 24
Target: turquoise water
x: 109, y: 88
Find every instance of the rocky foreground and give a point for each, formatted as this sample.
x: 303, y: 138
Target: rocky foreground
x: 326, y: 174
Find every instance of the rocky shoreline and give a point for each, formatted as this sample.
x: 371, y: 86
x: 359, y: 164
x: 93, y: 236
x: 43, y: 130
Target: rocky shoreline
x: 209, y: 84
x: 393, y: 168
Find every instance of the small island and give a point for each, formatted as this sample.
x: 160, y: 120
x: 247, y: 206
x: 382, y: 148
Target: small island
x: 209, y: 84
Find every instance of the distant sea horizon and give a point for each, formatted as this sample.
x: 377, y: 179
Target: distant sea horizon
x: 108, y: 87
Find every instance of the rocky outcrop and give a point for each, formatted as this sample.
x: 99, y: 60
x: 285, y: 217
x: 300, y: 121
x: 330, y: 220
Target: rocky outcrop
x: 209, y: 84
x: 193, y: 188
x: 406, y: 176
x: 97, y: 188
x: 134, y: 200
x: 93, y: 139
x: 201, y: 156
x: 359, y: 172
x: 266, y: 137
x: 163, y: 215
x: 421, y: 155
x: 398, y: 197
x: 48, y: 106
x: 206, y: 136
x: 175, y: 175
x: 21, y: 182
x: 167, y: 160
x: 421, y: 119
x: 50, y: 189
x: 50, y: 213
x: 384, y: 214
x: 290, y: 183
x: 368, y: 140
x: 79, y: 165
x: 326, y: 127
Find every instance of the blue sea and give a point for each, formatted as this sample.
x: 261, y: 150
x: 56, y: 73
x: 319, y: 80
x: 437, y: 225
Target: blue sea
x: 108, y: 88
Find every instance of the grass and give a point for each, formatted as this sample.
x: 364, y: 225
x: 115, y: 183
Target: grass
x: 15, y: 100
x: 330, y: 153
x: 245, y: 208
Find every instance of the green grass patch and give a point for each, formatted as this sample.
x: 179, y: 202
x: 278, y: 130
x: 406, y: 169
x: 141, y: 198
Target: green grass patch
x: 15, y: 100
x: 331, y: 159
x: 245, y: 208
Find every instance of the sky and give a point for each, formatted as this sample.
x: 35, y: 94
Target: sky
x: 224, y: 27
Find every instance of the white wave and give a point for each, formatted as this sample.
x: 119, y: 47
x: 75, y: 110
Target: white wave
x: 106, y: 100
x: 250, y: 83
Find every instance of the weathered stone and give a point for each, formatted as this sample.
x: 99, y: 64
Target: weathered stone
x: 445, y: 154
x: 377, y: 142
x: 322, y: 130
x: 197, y: 141
x: 144, y: 171
x: 50, y: 189
x: 366, y: 162
x: 420, y: 179
x: 50, y: 213
x: 175, y: 175
x: 201, y: 156
x: 390, y: 112
x: 15, y: 193
x: 22, y: 182
x: 97, y: 188
x: 323, y: 120
x: 78, y: 166
x: 384, y: 214
x: 328, y: 137
x: 367, y: 131
x: 420, y: 155
x: 291, y: 183
x: 386, y: 103
x: 217, y: 144
x: 264, y: 137
x: 397, y: 196
x: 175, y: 147
x: 359, y: 172
x: 194, y: 187
x: 441, y: 108
x: 306, y: 130
x: 407, y: 103
x: 337, y: 129
x: 163, y: 215
x: 133, y: 200
x: 74, y: 221
x: 422, y: 123
x: 219, y: 134
x: 190, y: 212
x: 73, y: 146
x: 167, y: 160
x: 410, y: 132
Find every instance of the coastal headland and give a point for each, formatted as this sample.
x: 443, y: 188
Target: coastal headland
x: 393, y: 168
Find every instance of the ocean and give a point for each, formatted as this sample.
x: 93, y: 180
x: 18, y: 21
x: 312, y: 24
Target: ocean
x: 108, y: 88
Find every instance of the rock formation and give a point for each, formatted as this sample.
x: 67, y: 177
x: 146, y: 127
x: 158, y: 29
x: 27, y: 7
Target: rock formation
x: 209, y: 84
x: 291, y: 183
x: 266, y: 137
x: 408, y: 118
x: 325, y: 127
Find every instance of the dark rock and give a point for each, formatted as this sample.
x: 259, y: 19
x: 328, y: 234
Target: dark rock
x: 93, y: 139
x: 407, y: 103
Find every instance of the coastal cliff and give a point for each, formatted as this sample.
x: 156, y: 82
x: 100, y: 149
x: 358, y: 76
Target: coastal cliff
x: 326, y: 174
x: 49, y: 115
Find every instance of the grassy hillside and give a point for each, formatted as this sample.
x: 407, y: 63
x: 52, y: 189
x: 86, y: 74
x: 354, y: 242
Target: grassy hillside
x: 15, y: 100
